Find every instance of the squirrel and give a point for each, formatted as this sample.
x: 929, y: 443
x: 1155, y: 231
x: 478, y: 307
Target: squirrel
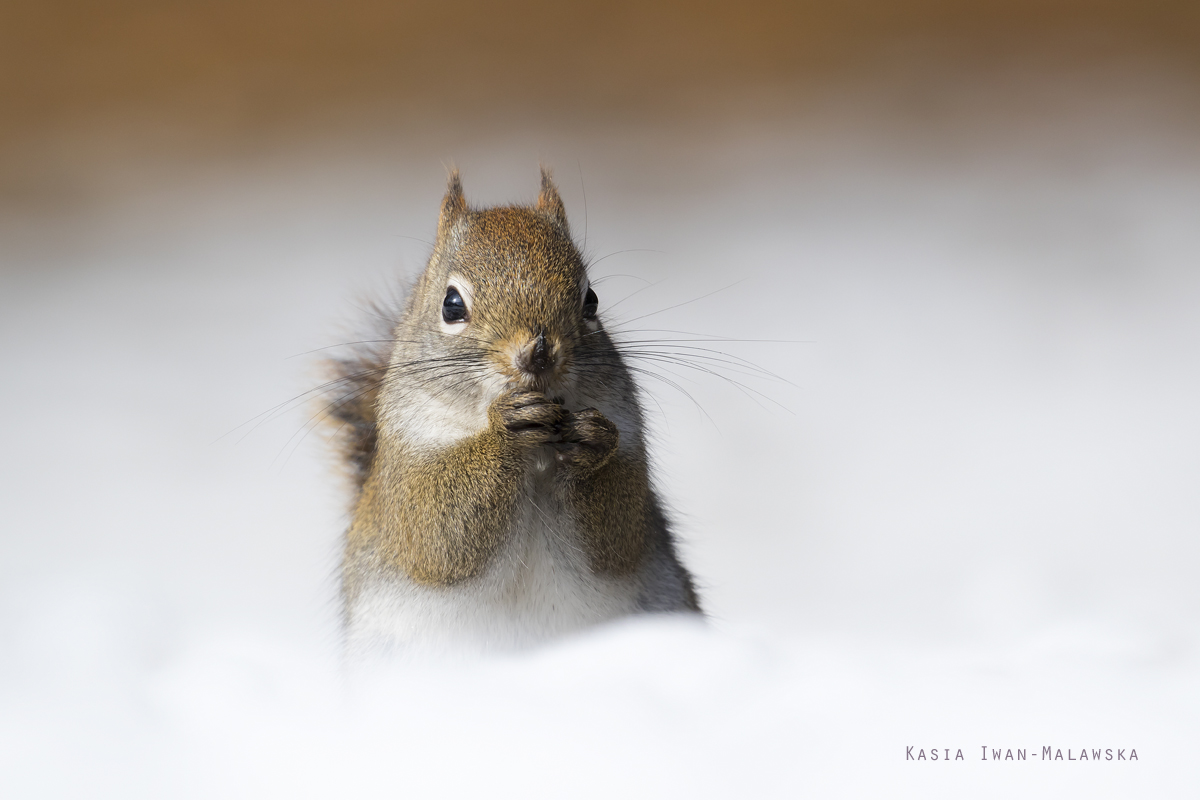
x: 497, y: 448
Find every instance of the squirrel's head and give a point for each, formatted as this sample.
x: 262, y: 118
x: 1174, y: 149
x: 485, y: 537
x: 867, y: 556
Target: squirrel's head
x: 508, y: 282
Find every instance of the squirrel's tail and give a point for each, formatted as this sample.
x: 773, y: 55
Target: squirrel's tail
x: 349, y: 407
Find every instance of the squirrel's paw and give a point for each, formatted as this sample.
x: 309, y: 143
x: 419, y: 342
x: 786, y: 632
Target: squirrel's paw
x: 589, y: 439
x: 529, y: 418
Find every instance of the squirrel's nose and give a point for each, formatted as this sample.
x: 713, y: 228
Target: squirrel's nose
x: 538, y: 358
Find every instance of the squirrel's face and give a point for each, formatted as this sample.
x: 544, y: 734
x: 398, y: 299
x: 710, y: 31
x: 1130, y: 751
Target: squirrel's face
x: 510, y: 284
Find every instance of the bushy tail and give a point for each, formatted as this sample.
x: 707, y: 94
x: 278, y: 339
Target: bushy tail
x: 355, y: 378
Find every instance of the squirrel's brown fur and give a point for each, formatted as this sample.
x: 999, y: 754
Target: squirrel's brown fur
x: 455, y: 433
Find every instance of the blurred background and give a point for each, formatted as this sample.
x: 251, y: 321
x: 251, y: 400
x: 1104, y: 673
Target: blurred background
x: 964, y: 238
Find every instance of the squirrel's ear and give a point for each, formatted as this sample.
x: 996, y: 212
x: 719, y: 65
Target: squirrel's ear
x: 454, y: 205
x: 549, y: 202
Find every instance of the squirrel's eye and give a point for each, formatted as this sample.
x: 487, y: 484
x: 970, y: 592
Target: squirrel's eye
x: 453, y: 307
x: 590, y: 304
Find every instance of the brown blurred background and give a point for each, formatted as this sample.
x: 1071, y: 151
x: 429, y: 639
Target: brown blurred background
x: 86, y: 82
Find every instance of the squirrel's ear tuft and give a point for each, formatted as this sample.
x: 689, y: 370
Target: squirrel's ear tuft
x: 549, y: 202
x: 454, y: 206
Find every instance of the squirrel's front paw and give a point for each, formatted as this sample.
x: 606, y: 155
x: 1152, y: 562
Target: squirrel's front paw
x: 589, y: 439
x: 528, y: 418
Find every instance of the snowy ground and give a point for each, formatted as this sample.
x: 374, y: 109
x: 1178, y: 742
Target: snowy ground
x: 968, y: 519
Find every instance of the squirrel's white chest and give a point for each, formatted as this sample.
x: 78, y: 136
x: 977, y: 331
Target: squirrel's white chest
x: 536, y: 588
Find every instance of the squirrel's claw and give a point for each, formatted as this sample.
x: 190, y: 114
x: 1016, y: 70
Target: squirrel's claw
x: 588, y: 441
x: 527, y: 417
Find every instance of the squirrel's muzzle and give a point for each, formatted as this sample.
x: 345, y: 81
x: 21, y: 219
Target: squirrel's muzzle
x: 538, y: 358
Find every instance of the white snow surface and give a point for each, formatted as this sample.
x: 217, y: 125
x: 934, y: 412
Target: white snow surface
x: 964, y: 518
